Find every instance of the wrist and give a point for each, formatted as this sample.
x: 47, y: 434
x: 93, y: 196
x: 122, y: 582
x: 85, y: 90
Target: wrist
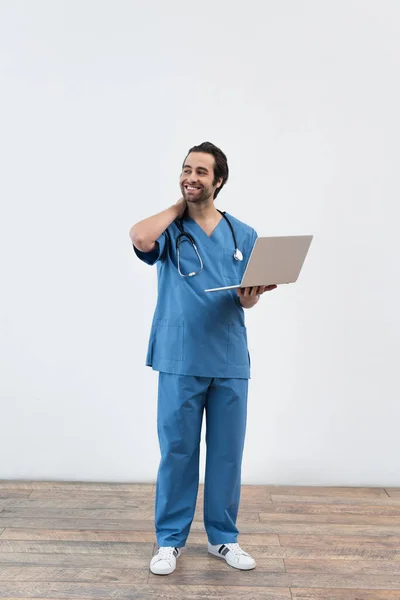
x: 249, y: 301
x: 176, y: 212
x: 179, y: 208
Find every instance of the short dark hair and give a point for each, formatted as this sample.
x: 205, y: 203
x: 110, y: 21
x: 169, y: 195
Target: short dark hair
x: 221, y: 164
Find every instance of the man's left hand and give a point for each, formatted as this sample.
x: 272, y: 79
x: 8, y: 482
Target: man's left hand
x: 255, y: 291
x: 248, y: 295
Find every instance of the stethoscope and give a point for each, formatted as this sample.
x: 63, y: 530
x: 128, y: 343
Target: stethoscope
x: 237, y: 254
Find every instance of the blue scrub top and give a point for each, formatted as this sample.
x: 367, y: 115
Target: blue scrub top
x: 194, y: 332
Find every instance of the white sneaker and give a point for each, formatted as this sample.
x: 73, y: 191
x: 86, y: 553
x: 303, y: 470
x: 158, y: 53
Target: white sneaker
x: 164, y: 562
x: 234, y: 555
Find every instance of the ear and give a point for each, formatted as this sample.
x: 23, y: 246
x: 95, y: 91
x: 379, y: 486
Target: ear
x: 219, y: 183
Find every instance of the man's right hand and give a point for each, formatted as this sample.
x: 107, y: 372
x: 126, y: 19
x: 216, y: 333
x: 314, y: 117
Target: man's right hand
x: 181, y: 207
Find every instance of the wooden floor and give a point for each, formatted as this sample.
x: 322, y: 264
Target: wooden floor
x: 80, y: 541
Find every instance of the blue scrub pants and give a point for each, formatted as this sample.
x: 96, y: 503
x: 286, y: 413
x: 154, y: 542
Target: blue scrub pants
x: 181, y: 401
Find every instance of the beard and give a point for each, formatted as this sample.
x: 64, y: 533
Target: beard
x: 200, y: 197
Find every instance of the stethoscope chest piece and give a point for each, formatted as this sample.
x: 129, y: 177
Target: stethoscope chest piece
x: 238, y: 255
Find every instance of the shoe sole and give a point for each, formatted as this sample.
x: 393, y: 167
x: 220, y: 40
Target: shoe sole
x: 243, y: 568
x: 161, y: 572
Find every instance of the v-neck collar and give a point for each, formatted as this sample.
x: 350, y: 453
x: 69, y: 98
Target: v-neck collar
x: 200, y: 227
x: 217, y: 238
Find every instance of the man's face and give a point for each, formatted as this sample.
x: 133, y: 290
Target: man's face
x: 197, y: 177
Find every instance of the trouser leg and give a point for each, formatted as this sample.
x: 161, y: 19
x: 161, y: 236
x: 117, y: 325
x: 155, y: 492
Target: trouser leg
x: 181, y: 402
x: 226, y: 415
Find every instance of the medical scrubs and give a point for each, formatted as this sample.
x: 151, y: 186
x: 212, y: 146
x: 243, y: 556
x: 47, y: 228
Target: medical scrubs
x: 198, y: 344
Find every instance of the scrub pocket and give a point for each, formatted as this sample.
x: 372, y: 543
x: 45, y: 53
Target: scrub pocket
x: 237, y: 345
x: 230, y: 267
x: 168, y: 340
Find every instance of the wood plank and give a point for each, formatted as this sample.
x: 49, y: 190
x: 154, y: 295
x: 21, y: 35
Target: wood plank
x: 86, y: 495
x: 109, y: 561
x: 318, y: 508
x: 99, y: 524
x: 229, y: 576
x: 356, y: 501
x: 103, y: 514
x: 371, y: 512
x: 326, y: 518
x: 138, y: 560
x: 325, y: 491
x: 344, y: 541
x: 314, y: 490
x: 5, y: 493
x: 369, y: 567
x: 224, y: 575
x: 333, y: 554
x: 84, y: 575
x: 82, y: 591
x: 78, y: 501
x: 251, y: 539
x: 74, y: 485
x: 393, y: 492
x: 81, y: 535
x: 342, y: 594
x: 249, y: 493
x: 143, y: 549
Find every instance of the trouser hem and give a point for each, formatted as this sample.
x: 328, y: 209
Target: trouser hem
x: 167, y: 544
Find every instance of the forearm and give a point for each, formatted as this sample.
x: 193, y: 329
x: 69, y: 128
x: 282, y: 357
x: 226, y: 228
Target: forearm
x: 147, y: 231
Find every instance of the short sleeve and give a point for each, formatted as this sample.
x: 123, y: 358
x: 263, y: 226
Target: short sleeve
x: 150, y: 258
x: 251, y: 240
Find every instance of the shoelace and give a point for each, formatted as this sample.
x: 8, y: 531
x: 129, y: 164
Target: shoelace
x: 165, y: 553
x: 236, y: 549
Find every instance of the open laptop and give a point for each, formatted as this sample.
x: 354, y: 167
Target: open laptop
x: 273, y: 260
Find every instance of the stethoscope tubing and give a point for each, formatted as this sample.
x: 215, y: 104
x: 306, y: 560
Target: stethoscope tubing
x: 237, y: 255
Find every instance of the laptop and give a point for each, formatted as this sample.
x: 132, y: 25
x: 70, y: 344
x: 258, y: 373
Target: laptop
x: 273, y: 260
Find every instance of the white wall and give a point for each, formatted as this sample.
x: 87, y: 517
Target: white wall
x: 99, y: 103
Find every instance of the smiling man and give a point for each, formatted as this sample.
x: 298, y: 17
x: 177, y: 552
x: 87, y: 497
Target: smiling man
x: 198, y: 344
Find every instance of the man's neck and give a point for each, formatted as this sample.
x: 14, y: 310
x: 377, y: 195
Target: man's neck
x: 203, y: 213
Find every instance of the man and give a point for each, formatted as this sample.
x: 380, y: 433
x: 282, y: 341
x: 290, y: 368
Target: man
x: 198, y: 343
